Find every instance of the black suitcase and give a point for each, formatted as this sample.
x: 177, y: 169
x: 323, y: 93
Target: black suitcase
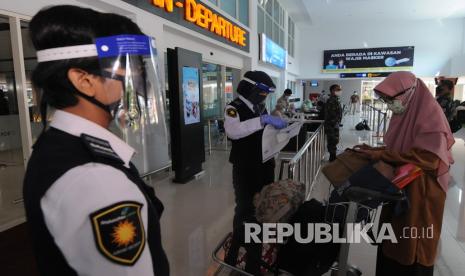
x: 312, y: 258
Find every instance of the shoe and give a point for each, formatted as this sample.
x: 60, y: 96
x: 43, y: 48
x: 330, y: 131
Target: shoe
x: 332, y: 157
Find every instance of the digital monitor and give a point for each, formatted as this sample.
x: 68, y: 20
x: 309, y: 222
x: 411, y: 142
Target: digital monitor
x: 272, y: 53
x: 191, y: 95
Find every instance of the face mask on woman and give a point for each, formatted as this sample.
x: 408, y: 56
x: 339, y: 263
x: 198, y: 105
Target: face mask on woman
x: 396, y: 105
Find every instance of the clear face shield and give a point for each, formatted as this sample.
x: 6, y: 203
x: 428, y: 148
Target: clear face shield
x: 131, y: 80
x: 130, y: 60
x: 133, y: 92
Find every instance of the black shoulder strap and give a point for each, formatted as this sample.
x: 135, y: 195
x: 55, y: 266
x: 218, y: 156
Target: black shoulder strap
x: 237, y: 103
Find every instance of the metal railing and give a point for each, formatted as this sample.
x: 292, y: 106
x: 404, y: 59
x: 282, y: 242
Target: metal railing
x: 378, y: 119
x: 305, y: 165
x: 224, y: 146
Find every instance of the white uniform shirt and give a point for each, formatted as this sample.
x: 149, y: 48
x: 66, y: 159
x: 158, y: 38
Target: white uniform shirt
x: 235, y: 129
x: 83, y: 190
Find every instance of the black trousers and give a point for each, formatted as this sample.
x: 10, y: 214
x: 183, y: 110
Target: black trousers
x: 387, y: 267
x: 247, y: 181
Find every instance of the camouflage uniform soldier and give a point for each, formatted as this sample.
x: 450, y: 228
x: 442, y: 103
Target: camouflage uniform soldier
x: 443, y: 96
x: 333, y: 116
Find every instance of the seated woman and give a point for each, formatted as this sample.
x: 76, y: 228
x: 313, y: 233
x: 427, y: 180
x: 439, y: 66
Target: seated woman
x: 419, y: 134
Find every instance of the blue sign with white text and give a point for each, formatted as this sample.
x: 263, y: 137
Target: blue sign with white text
x: 112, y: 46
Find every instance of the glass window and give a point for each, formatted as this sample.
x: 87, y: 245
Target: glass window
x: 269, y: 26
x: 229, y: 6
x: 269, y: 7
x: 290, y: 41
x: 211, y: 74
x: 244, y: 12
x: 276, y: 30
x: 214, y: 2
x: 276, y: 8
x: 260, y: 21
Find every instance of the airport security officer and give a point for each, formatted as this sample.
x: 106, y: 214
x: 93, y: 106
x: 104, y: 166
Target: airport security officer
x: 245, y: 118
x: 333, y: 116
x: 88, y: 210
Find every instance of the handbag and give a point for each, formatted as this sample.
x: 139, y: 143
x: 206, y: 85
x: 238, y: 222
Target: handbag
x: 363, y: 125
x: 346, y: 163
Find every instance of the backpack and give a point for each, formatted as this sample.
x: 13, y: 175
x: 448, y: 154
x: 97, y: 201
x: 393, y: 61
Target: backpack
x: 363, y: 125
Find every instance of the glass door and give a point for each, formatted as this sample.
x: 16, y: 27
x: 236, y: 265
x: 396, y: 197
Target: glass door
x: 11, y: 150
x: 212, y: 82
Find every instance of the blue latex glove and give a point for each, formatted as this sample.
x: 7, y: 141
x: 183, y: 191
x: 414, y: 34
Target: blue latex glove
x: 275, y: 121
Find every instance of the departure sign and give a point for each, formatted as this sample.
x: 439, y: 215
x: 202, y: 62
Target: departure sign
x: 199, y: 17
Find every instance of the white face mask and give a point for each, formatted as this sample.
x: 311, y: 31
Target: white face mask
x: 338, y: 93
x: 396, y: 107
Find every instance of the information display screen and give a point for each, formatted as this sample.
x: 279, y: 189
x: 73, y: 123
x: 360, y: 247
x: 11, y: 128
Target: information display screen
x: 191, y: 95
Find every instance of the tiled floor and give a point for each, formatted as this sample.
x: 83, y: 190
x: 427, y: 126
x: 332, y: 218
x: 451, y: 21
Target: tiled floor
x: 198, y: 214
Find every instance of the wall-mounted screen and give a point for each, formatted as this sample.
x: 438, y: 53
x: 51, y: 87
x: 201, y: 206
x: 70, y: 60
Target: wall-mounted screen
x: 314, y: 83
x: 272, y: 53
x: 191, y: 95
x: 368, y: 59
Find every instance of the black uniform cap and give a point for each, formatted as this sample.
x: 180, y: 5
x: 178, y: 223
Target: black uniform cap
x: 245, y: 88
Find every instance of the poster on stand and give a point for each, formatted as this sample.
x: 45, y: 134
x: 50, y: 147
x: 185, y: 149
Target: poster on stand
x: 191, y: 95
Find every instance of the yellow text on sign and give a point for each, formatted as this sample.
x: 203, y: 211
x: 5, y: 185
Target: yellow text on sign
x: 202, y: 16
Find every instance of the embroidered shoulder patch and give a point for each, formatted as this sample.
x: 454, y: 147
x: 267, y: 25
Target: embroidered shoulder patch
x: 231, y: 112
x: 119, y: 232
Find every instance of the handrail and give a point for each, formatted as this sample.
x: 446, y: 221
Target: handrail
x: 304, y: 148
x: 376, y: 118
x: 305, y: 165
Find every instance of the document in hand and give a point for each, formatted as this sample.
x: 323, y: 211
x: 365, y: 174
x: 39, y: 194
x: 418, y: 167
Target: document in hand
x: 274, y: 140
x: 406, y: 174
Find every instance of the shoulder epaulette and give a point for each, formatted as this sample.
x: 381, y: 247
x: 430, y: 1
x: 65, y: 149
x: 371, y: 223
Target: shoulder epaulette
x: 100, y: 148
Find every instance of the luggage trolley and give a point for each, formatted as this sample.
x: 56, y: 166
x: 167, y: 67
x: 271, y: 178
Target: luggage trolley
x: 353, y: 211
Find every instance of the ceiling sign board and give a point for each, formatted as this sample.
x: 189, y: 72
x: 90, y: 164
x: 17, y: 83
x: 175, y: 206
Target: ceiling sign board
x: 198, y: 17
x: 368, y: 59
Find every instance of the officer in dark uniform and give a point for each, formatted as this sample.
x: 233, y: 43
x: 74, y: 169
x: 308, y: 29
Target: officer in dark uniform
x: 88, y: 210
x: 444, y: 98
x: 333, y: 116
x: 245, y: 118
